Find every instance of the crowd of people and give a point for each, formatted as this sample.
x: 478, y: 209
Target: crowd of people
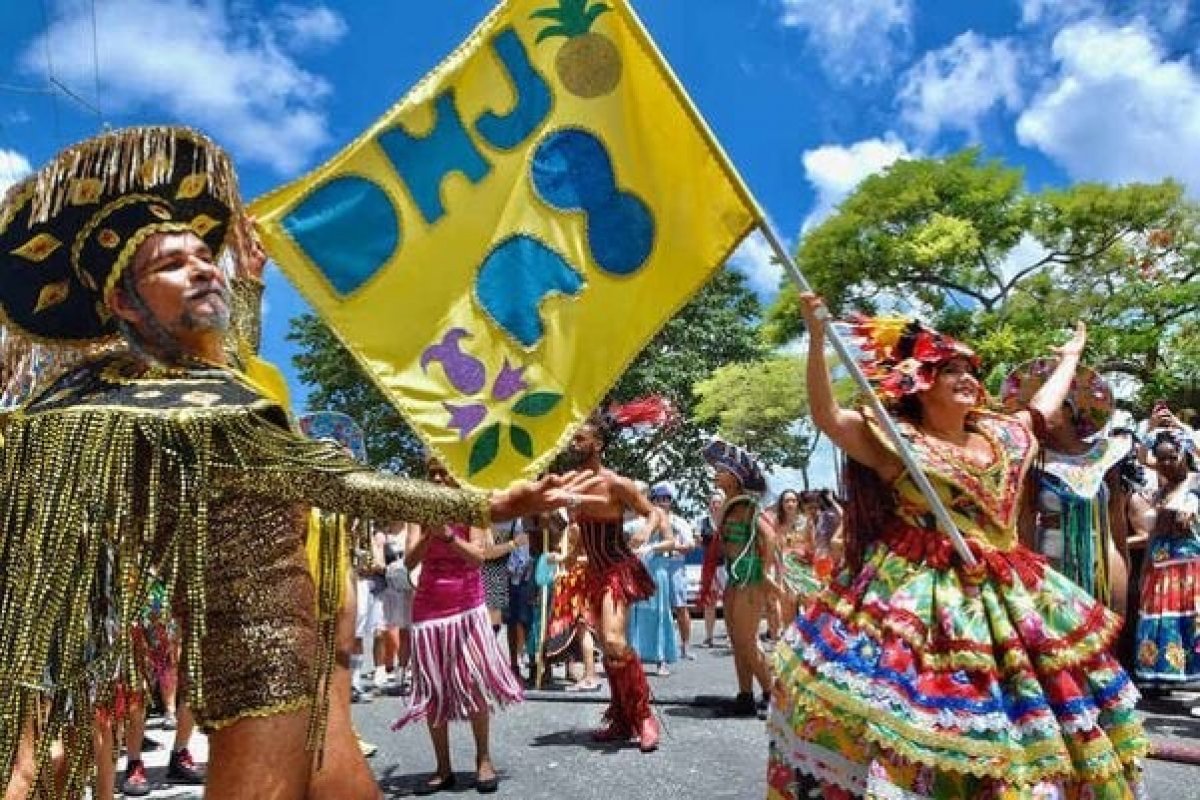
x: 239, y: 572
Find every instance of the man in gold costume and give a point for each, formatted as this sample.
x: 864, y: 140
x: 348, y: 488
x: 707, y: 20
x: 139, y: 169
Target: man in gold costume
x: 156, y: 455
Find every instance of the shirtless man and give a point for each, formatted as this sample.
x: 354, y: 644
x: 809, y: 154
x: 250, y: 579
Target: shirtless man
x: 615, y: 578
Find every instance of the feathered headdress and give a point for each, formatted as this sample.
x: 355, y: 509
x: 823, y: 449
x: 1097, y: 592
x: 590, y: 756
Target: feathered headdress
x: 737, y: 461
x: 902, y: 355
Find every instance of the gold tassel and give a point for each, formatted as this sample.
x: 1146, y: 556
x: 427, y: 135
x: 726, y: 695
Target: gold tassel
x: 99, y: 503
x: 127, y: 160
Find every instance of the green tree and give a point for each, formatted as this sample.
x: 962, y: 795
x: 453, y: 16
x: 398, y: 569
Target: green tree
x: 944, y: 233
x: 337, y: 384
x: 718, y: 326
x: 764, y: 406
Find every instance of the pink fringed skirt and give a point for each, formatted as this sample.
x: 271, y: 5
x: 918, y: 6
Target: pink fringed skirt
x: 458, y: 670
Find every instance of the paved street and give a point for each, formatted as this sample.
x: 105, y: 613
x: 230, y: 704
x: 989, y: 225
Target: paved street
x: 543, y: 750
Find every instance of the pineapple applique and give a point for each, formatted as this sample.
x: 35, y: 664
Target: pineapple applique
x: 588, y: 64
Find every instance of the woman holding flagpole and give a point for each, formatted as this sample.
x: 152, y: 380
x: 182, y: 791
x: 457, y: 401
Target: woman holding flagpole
x: 914, y: 675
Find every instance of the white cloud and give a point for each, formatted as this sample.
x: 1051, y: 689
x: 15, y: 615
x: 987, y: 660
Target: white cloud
x: 834, y: 170
x: 1118, y: 108
x: 1035, y: 12
x: 302, y: 27
x: 953, y: 88
x: 857, y: 40
x: 202, y: 64
x: 13, y: 167
x: 754, y: 258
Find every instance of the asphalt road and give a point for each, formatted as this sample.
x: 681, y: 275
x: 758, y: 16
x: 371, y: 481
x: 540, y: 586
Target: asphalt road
x: 542, y: 748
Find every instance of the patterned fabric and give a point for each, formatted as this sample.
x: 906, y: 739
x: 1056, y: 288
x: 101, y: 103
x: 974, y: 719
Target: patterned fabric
x: 1073, y: 522
x: 612, y: 566
x: 736, y: 461
x: 1168, y: 632
x: 459, y: 670
x: 798, y: 576
x: 919, y: 678
x: 569, y: 607
x: 797, y: 544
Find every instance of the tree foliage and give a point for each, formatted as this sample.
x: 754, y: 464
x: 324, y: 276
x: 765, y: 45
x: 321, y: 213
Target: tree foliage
x: 763, y: 405
x: 718, y: 326
x: 337, y: 384
x: 1009, y: 268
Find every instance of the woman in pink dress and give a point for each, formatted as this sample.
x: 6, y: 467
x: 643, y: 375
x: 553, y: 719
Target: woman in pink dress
x: 459, y: 672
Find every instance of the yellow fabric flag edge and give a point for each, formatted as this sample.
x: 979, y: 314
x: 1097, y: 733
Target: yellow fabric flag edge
x: 655, y: 56
x: 470, y: 42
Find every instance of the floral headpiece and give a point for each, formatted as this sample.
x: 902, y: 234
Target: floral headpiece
x: 902, y: 355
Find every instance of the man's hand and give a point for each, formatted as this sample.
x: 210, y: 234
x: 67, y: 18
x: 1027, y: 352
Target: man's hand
x: 526, y: 498
x: 251, y: 255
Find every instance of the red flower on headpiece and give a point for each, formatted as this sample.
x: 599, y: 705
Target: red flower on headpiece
x: 902, y: 355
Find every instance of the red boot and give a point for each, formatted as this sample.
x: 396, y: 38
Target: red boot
x: 631, y: 698
x: 648, y: 734
x: 612, y: 732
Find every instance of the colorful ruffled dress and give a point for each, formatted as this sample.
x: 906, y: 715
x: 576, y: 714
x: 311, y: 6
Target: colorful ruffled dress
x: 458, y: 668
x: 799, y: 577
x: 1168, y: 633
x: 919, y: 678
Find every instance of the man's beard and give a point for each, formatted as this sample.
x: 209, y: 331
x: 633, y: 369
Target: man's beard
x: 573, y: 459
x: 217, y: 319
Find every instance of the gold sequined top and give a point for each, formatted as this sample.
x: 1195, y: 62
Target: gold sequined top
x: 122, y: 470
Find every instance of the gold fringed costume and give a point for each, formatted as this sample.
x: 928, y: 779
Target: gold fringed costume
x: 125, y: 470
x: 120, y: 470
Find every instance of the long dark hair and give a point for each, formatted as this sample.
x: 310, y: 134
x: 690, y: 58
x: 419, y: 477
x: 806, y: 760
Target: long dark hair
x: 869, y: 505
x: 779, y: 504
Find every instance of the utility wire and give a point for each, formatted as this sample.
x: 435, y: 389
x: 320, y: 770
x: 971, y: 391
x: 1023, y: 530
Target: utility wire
x: 50, y: 74
x: 62, y: 87
x: 96, y: 66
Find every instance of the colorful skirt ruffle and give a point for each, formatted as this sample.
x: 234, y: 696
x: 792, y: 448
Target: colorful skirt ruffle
x: 798, y: 576
x: 568, y: 608
x: 918, y: 679
x: 1168, y: 638
x: 458, y: 670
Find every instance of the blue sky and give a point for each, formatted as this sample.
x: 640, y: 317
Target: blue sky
x: 807, y: 96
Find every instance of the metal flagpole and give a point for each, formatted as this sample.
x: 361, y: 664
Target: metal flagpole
x: 881, y: 413
x: 885, y: 419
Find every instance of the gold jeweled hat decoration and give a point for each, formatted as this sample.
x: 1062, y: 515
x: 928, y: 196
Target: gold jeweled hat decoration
x: 68, y: 230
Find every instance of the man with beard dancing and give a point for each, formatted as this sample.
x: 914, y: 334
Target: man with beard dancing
x: 615, y: 579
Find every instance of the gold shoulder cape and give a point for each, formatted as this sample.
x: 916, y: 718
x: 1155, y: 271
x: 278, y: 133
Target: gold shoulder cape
x: 107, y: 479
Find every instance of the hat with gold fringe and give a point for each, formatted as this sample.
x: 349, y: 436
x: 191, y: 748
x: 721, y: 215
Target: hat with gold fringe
x: 68, y: 230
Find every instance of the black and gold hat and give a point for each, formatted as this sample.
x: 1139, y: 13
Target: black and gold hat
x: 68, y: 230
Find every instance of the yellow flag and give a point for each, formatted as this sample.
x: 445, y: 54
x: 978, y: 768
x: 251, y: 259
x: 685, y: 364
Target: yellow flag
x: 500, y: 245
